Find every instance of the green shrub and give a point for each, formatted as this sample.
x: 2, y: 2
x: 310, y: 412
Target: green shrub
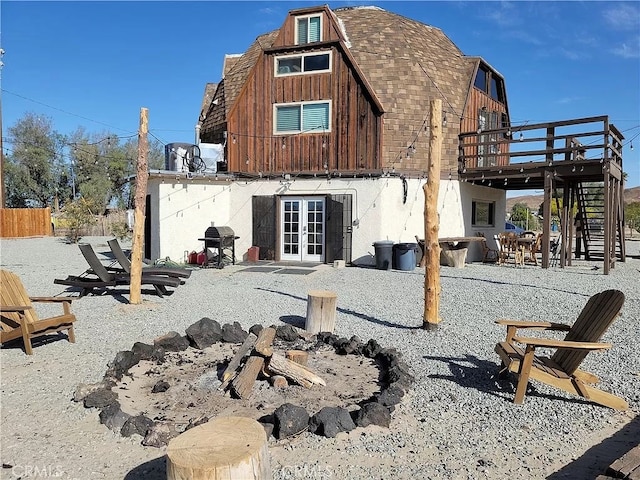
x: 77, y: 215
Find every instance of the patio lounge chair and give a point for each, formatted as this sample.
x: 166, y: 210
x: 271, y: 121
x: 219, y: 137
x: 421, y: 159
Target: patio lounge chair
x: 561, y: 369
x: 18, y: 318
x: 125, y: 263
x: 106, y: 279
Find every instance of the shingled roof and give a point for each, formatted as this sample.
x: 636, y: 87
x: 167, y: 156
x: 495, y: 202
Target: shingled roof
x: 407, y: 63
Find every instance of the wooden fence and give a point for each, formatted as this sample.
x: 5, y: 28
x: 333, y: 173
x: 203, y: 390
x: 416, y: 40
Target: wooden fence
x: 25, y: 222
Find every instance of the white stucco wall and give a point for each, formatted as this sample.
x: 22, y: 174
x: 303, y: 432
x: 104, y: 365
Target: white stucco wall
x: 182, y: 209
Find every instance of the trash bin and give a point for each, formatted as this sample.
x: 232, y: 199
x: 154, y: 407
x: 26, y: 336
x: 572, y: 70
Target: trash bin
x: 404, y: 256
x: 384, y: 254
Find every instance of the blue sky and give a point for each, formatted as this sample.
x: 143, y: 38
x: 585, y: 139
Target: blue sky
x: 95, y: 64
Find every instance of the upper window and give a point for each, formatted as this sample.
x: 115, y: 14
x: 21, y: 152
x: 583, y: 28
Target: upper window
x: 490, y: 83
x: 308, y: 29
x: 305, y: 63
x: 303, y: 117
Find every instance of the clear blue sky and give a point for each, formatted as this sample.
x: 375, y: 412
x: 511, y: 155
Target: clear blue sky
x: 95, y: 64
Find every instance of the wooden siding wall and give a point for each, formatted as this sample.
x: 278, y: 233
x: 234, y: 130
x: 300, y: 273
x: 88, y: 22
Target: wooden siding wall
x: 25, y: 222
x: 352, y: 144
x: 477, y: 100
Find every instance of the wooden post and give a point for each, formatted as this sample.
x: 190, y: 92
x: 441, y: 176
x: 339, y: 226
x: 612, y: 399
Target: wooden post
x: 321, y: 311
x: 135, y: 294
x: 225, y: 448
x: 432, y: 221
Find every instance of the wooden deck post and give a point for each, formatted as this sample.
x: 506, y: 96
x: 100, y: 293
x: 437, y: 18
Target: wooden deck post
x: 432, y: 220
x: 135, y: 287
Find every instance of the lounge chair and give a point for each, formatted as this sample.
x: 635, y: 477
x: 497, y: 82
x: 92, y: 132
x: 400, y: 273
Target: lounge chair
x: 125, y: 263
x: 105, y: 279
x: 561, y: 369
x: 20, y: 320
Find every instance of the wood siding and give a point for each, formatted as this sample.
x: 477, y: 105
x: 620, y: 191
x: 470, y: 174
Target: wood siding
x: 25, y: 222
x: 470, y: 122
x: 352, y: 144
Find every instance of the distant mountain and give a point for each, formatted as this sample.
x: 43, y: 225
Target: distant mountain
x: 534, y: 201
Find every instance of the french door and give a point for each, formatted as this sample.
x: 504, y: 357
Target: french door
x: 302, y: 229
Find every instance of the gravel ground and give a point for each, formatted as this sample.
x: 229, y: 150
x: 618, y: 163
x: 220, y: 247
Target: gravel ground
x: 459, y: 421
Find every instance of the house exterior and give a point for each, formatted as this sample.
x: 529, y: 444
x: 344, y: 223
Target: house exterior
x: 324, y: 128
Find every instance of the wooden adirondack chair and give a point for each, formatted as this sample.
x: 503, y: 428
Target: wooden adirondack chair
x: 19, y: 319
x: 561, y: 369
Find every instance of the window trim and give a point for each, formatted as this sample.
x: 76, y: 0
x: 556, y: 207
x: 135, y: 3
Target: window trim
x: 489, y: 76
x: 301, y: 104
x: 491, y: 221
x: 307, y: 18
x: 302, y: 57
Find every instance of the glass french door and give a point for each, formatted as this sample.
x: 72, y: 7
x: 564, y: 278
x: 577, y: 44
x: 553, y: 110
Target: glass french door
x: 302, y: 229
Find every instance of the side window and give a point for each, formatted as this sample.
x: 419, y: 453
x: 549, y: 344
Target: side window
x: 482, y: 214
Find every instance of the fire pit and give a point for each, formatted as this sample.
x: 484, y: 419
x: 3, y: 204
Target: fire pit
x: 159, y: 391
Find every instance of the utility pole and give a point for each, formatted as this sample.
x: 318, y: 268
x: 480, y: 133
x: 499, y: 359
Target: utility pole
x: 135, y: 286
x: 432, y: 221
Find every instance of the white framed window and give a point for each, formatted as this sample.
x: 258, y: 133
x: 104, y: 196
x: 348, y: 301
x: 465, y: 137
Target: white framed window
x: 308, y: 29
x: 302, y: 117
x: 317, y: 62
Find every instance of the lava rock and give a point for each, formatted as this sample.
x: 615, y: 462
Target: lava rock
x: 256, y: 329
x: 330, y: 421
x: 121, y: 364
x: 353, y: 346
x: 371, y: 349
x: 148, y: 352
x: 100, y: 398
x: 373, y: 413
x: 327, y: 337
x: 159, y: 435
x: 85, y: 389
x: 172, y: 342
x: 388, y: 357
x: 287, y: 333
x: 161, y: 386
x: 139, y: 425
x: 204, y: 333
x: 400, y: 374
x: 289, y: 420
x: 340, y: 345
x: 392, y: 395
x: 113, y: 417
x: 233, y: 333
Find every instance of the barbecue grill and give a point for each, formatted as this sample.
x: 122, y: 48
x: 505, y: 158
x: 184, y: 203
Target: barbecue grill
x: 221, y: 239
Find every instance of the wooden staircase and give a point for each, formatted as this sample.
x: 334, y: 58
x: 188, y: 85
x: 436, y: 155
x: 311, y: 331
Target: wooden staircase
x: 591, y: 204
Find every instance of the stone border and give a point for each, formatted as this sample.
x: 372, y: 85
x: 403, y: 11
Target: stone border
x: 287, y: 420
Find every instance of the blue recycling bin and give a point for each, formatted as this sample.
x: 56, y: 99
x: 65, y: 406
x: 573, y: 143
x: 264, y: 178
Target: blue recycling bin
x: 404, y: 256
x: 384, y: 254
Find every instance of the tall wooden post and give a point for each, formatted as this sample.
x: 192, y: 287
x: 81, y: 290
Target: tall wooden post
x: 135, y: 296
x: 432, y: 221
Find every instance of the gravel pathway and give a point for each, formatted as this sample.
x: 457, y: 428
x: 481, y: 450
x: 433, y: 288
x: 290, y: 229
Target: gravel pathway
x: 459, y: 421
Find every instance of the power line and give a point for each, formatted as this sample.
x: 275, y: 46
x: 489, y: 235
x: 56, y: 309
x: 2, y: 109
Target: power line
x: 63, y: 111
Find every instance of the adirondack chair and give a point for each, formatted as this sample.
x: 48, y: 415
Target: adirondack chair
x: 106, y: 279
x: 561, y: 369
x: 125, y: 263
x: 19, y: 319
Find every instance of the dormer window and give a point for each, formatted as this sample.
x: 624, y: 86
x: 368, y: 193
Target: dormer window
x: 490, y: 83
x: 308, y: 29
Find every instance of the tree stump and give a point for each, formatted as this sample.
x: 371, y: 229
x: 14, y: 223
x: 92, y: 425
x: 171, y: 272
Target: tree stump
x: 226, y: 448
x: 321, y: 311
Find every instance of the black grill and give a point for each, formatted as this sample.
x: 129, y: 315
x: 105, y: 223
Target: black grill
x: 220, y: 239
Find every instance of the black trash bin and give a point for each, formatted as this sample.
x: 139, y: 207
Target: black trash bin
x: 384, y: 254
x: 404, y: 256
